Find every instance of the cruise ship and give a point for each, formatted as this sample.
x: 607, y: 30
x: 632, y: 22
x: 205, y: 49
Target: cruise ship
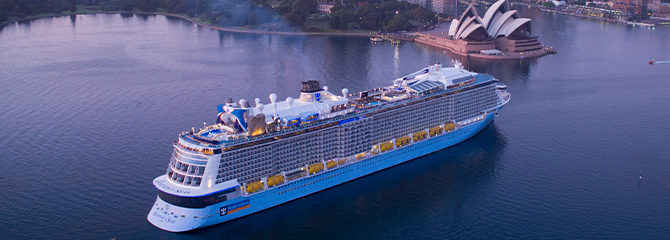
x: 255, y: 158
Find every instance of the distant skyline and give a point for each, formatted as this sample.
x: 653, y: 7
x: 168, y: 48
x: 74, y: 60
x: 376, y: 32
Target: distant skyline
x: 448, y: 7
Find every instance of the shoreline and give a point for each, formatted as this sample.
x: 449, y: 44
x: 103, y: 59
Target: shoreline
x: 550, y: 10
x: 186, y: 18
x: 349, y: 34
x: 543, y: 9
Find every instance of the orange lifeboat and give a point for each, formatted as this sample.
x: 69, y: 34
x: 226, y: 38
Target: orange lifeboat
x: 418, y: 136
x: 315, y: 168
x: 331, y: 164
x: 254, y: 186
x: 449, y: 126
x: 385, y: 146
x: 435, y: 131
x: 402, y: 141
x: 275, y: 180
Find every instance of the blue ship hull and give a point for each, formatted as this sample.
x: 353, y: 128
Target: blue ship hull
x: 242, y: 206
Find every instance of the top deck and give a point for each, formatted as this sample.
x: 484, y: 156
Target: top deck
x: 318, y: 108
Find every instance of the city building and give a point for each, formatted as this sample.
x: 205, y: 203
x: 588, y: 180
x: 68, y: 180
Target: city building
x: 654, y: 5
x: 659, y: 8
x: 630, y: 7
x: 324, y: 6
x: 418, y: 2
x: 449, y: 7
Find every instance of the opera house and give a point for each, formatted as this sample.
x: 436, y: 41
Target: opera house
x: 501, y: 33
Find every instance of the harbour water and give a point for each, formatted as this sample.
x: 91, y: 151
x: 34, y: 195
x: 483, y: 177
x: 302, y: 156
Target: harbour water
x: 89, y: 107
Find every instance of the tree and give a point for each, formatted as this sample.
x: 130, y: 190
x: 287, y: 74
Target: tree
x: 251, y: 18
x: 304, y: 6
x: 338, y: 19
x: 296, y: 18
x: 145, y: 5
x: 176, y: 6
x: 126, y: 5
x: 549, y: 4
x: 4, y: 16
x: 397, y: 23
x: 369, y: 18
x: 285, y: 6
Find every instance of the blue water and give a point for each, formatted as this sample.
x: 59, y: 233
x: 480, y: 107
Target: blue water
x: 89, y: 107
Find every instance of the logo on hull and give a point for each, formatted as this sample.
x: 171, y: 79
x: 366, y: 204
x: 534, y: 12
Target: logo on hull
x: 224, y: 210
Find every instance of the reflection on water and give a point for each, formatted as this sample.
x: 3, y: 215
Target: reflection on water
x: 73, y: 19
x: 90, y: 109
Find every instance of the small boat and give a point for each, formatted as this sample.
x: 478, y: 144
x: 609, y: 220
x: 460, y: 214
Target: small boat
x: 376, y: 39
x: 656, y: 62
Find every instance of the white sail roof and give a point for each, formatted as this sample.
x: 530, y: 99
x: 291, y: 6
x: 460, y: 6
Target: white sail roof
x: 465, y: 25
x: 453, y: 27
x: 514, y: 25
x: 490, y: 13
x: 498, y: 21
x: 470, y: 29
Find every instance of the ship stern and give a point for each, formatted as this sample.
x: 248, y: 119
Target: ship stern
x: 173, y: 218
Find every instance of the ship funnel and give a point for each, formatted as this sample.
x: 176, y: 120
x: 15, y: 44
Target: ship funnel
x: 311, y: 86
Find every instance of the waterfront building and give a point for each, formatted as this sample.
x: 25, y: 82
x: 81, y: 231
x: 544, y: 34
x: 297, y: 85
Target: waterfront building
x: 598, y: 12
x: 630, y: 7
x: 500, y: 28
x: 659, y: 8
x: 500, y: 34
x: 449, y: 7
x: 654, y: 5
x: 664, y: 9
x: 423, y: 3
x: 324, y: 6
